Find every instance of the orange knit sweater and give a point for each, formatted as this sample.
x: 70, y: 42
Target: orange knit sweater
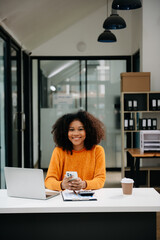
x: 89, y: 164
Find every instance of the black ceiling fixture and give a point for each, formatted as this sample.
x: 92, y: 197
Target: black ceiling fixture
x: 114, y: 21
x: 126, y: 4
x: 107, y: 36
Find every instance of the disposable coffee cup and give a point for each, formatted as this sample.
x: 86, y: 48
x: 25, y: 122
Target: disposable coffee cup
x: 127, y: 185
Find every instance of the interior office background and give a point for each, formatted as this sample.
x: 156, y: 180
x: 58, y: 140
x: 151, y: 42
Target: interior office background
x: 73, y: 43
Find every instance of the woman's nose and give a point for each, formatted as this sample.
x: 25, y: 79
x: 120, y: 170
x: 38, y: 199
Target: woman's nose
x: 76, y: 132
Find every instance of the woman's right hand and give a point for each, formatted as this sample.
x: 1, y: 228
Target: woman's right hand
x: 74, y: 185
x: 65, y: 183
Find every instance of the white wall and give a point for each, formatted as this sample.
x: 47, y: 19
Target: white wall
x: 151, y: 41
x: 87, y: 31
x: 136, y: 39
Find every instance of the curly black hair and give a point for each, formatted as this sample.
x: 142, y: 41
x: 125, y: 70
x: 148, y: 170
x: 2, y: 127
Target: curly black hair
x: 95, y: 130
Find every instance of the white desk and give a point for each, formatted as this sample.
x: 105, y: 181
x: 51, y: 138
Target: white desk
x: 114, y: 214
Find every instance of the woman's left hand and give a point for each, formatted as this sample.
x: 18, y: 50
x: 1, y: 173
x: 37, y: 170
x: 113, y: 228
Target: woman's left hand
x: 77, y: 184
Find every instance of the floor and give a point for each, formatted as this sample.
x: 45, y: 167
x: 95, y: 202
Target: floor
x: 113, y: 180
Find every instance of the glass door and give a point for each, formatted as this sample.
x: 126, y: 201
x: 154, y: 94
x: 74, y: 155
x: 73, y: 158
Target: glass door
x: 62, y: 90
x: 15, y: 95
x: 10, y: 105
x: 16, y: 108
x: 13, y: 106
x: 2, y: 113
x: 103, y: 98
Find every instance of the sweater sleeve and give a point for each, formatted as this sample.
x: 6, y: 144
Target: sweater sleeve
x: 100, y: 171
x: 53, y: 178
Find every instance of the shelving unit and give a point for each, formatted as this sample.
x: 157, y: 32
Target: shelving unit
x: 149, y: 176
x: 139, y: 106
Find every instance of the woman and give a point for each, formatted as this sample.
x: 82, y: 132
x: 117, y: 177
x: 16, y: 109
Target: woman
x: 76, y: 136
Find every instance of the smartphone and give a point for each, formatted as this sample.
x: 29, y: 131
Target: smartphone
x: 72, y: 174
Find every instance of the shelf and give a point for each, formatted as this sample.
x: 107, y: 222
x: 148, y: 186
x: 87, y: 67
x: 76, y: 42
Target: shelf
x: 148, y: 176
x: 145, y: 168
x: 137, y: 130
x: 143, y: 114
x: 131, y: 130
x: 144, y: 111
x: 149, y: 141
x: 135, y: 152
x: 136, y: 111
x: 151, y: 149
x: 141, y: 102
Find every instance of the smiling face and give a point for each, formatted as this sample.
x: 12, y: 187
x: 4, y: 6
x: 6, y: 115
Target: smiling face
x: 77, y: 134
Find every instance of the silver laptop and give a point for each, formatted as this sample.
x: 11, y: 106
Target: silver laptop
x: 26, y: 183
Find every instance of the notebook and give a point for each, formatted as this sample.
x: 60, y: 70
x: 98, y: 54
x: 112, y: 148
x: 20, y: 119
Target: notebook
x: 26, y: 183
x: 69, y: 195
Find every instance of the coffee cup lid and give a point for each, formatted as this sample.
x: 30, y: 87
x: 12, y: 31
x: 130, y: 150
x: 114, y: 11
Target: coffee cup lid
x: 127, y: 180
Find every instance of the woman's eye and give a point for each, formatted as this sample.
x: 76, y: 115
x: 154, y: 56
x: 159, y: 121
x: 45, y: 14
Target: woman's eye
x: 72, y: 129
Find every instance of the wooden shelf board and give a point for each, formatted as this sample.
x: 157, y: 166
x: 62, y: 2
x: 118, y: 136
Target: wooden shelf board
x: 135, y: 152
x: 144, y: 169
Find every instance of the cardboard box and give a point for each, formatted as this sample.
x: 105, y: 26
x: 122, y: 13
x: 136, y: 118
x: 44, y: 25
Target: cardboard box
x: 135, y: 82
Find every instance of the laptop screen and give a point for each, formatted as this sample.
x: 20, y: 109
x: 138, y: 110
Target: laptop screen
x: 25, y: 183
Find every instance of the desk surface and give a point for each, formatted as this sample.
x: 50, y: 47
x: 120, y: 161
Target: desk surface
x: 135, y: 152
x: 109, y: 200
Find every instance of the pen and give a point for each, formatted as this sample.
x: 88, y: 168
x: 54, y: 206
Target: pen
x: 75, y: 192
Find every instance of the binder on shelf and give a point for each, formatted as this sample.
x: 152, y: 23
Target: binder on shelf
x: 154, y: 124
x: 149, y: 124
x: 131, y: 124
x: 135, y: 105
x: 129, y: 105
x: 140, y: 124
x: 144, y: 123
x: 125, y: 124
x: 154, y: 104
x: 158, y: 104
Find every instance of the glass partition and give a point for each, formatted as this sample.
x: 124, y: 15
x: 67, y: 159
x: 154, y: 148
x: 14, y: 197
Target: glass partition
x: 62, y: 90
x: 2, y: 114
x: 92, y: 85
x: 14, y: 85
x: 103, y: 97
x: 10, y: 105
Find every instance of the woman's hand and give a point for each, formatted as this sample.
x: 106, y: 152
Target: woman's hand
x: 77, y: 184
x: 65, y: 182
x: 74, y: 185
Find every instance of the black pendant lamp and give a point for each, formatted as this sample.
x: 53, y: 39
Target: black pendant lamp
x: 126, y: 4
x: 107, y: 36
x: 114, y: 22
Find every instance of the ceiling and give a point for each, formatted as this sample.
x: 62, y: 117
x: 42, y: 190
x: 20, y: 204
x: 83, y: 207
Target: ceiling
x: 33, y: 22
